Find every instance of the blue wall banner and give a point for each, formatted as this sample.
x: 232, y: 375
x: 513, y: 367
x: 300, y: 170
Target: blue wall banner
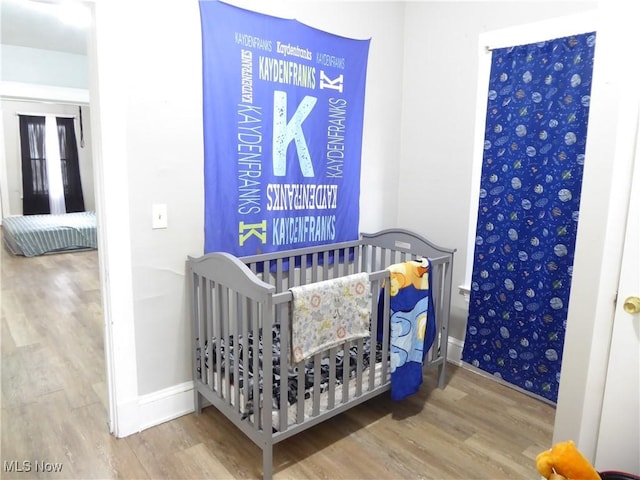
x: 282, y: 114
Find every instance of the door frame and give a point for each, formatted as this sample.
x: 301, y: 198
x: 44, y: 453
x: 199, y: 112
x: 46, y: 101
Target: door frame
x: 603, y: 216
x: 618, y: 436
x: 107, y: 85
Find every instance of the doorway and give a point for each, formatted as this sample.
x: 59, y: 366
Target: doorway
x: 42, y: 88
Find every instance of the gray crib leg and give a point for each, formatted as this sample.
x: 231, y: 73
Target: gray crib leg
x: 267, y: 462
x: 442, y: 374
x: 197, y: 402
x: 444, y: 349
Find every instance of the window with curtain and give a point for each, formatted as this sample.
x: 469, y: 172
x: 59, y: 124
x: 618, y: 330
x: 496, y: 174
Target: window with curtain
x: 50, y: 168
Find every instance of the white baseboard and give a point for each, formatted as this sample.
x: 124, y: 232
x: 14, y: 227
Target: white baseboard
x: 173, y: 402
x: 155, y: 408
x: 454, y: 351
x: 164, y: 405
x: 126, y: 421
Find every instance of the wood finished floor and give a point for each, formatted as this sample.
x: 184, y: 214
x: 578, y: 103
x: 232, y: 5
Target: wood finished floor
x: 53, y: 408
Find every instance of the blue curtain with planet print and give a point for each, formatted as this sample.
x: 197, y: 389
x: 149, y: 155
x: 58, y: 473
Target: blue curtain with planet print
x: 535, y: 137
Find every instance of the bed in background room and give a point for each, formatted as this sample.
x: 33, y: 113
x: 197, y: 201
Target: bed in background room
x: 32, y: 235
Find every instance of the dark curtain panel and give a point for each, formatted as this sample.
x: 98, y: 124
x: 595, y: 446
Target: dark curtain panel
x: 35, y: 183
x: 35, y: 187
x: 69, y: 163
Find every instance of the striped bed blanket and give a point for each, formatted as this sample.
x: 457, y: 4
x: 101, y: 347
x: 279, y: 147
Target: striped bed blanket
x: 32, y: 235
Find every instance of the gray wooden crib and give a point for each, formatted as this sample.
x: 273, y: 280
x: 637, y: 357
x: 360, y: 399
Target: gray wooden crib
x: 241, y: 310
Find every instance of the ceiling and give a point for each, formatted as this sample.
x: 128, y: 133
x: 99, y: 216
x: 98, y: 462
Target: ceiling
x: 35, y: 24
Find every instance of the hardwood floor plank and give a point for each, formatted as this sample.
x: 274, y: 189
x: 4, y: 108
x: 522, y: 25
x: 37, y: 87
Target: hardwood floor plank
x: 502, y: 453
x: 198, y: 462
x: 7, y: 344
x: 22, y: 384
x: 22, y: 332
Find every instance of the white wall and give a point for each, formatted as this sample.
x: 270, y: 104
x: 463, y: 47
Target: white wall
x: 439, y: 115
x: 10, y: 110
x: 44, y: 67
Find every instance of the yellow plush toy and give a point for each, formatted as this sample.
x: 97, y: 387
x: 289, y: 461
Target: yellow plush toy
x: 564, y: 461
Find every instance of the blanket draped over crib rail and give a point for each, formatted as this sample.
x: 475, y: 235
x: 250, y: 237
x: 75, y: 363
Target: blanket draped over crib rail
x: 413, y: 327
x: 325, y: 314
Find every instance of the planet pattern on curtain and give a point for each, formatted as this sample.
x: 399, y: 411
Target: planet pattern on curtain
x: 534, y: 152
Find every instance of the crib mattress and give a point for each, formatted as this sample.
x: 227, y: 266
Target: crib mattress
x: 229, y: 355
x: 292, y: 408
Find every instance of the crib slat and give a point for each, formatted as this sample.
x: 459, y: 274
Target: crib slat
x: 325, y: 265
x: 345, y: 262
x: 300, y: 392
x: 236, y: 349
x: 332, y: 377
x: 359, y: 363
x: 385, y: 335
x: 255, y: 354
x: 336, y: 263
x: 226, y: 338
x: 373, y: 329
x: 198, y: 340
x: 196, y: 316
x: 303, y: 269
x: 346, y: 368
x: 206, y: 340
x: 214, y: 334
x: 247, y: 313
x: 292, y: 272
x: 267, y: 368
x: 443, y: 315
x: 385, y: 258
x: 361, y: 266
x: 314, y: 267
x: 284, y: 365
x: 266, y: 272
x: 374, y: 258
x: 317, y: 366
x: 356, y: 259
x: 279, y: 270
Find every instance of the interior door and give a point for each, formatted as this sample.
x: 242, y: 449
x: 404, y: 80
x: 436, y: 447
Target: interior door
x: 619, y: 437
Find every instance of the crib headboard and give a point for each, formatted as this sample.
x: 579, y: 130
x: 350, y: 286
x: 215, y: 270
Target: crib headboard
x: 405, y: 241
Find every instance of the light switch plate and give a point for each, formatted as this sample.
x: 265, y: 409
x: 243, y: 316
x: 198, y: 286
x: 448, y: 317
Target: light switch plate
x: 159, y: 215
